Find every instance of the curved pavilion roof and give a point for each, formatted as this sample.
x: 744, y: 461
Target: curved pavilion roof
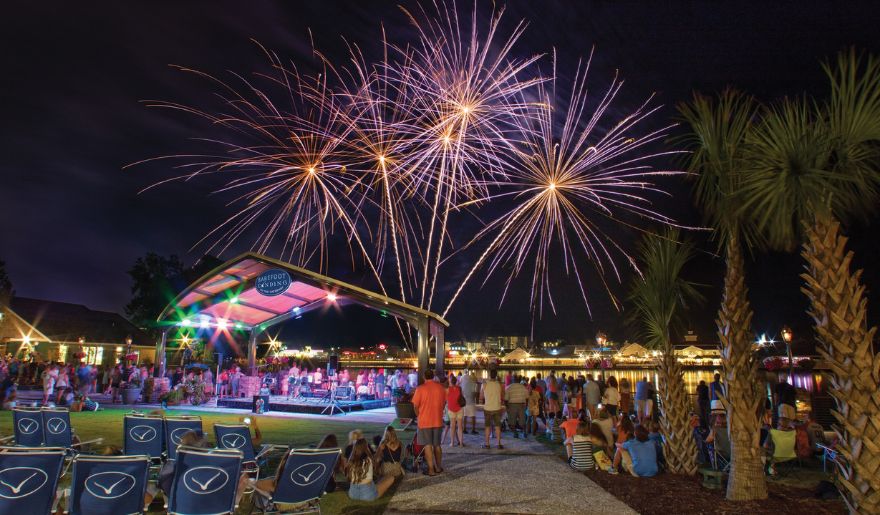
x: 227, y: 295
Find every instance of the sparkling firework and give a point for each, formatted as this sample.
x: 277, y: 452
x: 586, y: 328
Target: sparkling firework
x: 386, y: 154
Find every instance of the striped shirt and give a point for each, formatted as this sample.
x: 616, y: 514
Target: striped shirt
x: 581, y: 453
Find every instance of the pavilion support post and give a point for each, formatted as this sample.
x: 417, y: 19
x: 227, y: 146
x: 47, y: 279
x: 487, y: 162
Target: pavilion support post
x: 423, y: 327
x: 252, y: 353
x: 160, y: 364
x: 439, y: 347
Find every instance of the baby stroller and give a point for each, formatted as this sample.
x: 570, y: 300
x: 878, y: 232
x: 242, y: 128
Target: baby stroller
x: 415, y: 455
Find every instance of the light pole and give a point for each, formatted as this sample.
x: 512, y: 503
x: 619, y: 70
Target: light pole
x: 787, y: 336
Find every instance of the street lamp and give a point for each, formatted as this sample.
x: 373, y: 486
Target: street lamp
x: 787, y: 336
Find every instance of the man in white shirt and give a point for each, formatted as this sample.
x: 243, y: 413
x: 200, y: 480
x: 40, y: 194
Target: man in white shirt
x: 491, y: 394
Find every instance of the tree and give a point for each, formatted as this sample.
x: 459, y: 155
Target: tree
x: 659, y: 298
x: 152, y: 288
x: 716, y: 137
x: 811, y: 166
x: 6, y: 290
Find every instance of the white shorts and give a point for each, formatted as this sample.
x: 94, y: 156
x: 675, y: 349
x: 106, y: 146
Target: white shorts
x: 470, y: 410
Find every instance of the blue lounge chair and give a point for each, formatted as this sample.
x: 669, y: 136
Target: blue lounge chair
x: 303, y: 478
x: 28, y: 426
x: 238, y: 436
x: 58, y: 432
x: 175, y: 428
x: 205, y: 481
x: 143, y: 436
x: 108, y: 485
x: 28, y: 479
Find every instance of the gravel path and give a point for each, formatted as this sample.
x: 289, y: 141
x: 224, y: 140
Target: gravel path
x: 525, y: 477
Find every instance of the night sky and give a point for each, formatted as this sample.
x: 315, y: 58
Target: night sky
x: 75, y: 75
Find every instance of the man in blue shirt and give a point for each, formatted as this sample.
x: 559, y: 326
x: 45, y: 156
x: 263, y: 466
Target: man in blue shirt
x: 638, y: 456
x: 641, y: 400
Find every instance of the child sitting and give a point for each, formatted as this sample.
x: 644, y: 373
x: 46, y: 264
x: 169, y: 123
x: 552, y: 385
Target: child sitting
x: 657, y: 438
x: 582, y: 448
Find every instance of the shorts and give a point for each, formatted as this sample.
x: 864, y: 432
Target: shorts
x: 456, y: 415
x: 364, y: 492
x: 492, y: 418
x: 470, y: 410
x: 612, y: 409
x: 430, y: 436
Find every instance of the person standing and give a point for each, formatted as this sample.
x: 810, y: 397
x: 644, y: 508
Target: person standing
x: 49, y: 376
x: 786, y: 400
x: 593, y: 395
x: 491, y: 394
x: 716, y: 389
x: 625, y: 405
x: 642, y: 392
x: 234, y: 377
x: 516, y: 395
x: 469, y: 390
x: 703, y: 403
x: 429, y: 400
x: 455, y: 410
x: 611, y: 397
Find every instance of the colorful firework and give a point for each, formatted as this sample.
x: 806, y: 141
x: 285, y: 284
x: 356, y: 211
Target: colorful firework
x: 385, y: 154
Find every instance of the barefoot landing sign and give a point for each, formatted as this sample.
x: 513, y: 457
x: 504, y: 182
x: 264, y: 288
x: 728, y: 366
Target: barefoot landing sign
x: 273, y: 282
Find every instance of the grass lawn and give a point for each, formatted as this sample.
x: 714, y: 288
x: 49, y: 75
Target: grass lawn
x: 107, y: 424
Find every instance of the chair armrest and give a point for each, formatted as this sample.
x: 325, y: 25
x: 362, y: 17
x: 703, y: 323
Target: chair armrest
x: 267, y: 448
x: 88, y: 442
x: 4, y: 439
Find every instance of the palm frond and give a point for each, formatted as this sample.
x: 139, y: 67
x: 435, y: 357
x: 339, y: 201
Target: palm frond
x: 661, y: 295
x: 717, y: 129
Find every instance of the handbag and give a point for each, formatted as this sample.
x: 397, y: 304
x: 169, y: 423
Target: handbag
x: 603, y: 462
x: 462, y: 402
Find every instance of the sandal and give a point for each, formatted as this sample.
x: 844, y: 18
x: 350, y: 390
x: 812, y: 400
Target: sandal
x: 500, y: 446
x: 486, y: 446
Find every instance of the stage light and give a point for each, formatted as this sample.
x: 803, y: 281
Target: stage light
x: 331, y: 297
x: 238, y: 325
x: 204, y: 324
x: 297, y: 309
x: 234, y: 300
x: 185, y: 322
x: 221, y: 324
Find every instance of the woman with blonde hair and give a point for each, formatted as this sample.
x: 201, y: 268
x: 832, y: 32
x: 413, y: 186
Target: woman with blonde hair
x: 359, y: 470
x: 388, y: 455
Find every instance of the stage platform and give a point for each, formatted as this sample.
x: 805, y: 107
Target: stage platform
x: 314, y: 405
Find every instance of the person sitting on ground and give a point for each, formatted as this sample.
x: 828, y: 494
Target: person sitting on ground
x: 601, y: 446
x: 657, y: 438
x: 569, y: 427
x: 624, y: 429
x: 330, y: 442
x: 637, y: 456
x: 388, y: 455
x: 582, y: 448
x: 780, y: 445
x: 606, y: 423
x: 359, y: 470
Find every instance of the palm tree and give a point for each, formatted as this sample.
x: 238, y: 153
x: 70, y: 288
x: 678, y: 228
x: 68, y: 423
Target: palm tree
x: 717, y: 131
x: 812, y: 166
x: 659, y: 298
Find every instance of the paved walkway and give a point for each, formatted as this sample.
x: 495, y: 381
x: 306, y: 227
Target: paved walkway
x: 525, y: 477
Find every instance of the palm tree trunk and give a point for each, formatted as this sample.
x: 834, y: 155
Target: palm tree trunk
x: 744, y: 391
x: 839, y: 310
x: 679, y: 447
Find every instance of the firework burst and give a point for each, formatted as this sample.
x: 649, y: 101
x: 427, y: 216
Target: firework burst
x: 387, y: 153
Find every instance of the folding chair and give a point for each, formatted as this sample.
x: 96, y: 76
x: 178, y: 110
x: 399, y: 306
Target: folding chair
x: 175, y: 428
x: 28, y: 479
x: 28, y: 426
x: 57, y: 431
x: 303, y: 479
x: 108, y: 485
x: 238, y: 436
x: 205, y: 481
x: 143, y: 436
x: 783, y: 449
